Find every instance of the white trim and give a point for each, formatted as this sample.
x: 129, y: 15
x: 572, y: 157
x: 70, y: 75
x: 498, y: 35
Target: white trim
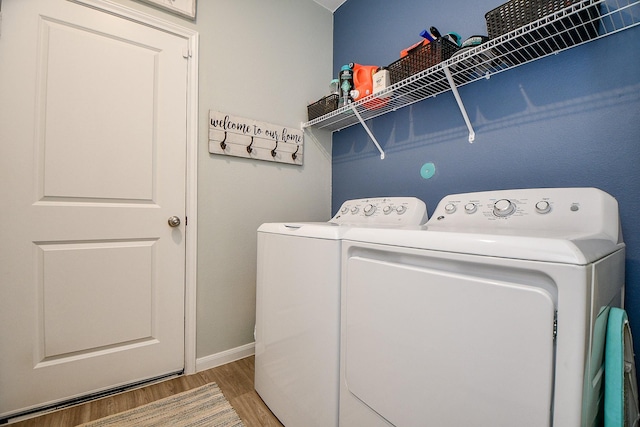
x: 138, y: 16
x: 191, y: 265
x: 224, y: 357
x: 187, y: 10
x: 191, y: 203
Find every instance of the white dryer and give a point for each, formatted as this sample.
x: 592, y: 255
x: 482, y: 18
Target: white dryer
x: 493, y: 315
x: 298, y: 307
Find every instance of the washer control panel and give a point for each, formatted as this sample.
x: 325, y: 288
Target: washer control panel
x: 546, y: 209
x: 396, y: 211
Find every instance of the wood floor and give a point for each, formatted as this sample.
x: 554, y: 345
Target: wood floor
x: 234, y: 379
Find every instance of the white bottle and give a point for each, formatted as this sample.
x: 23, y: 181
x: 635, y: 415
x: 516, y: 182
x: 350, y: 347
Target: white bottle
x: 381, y: 81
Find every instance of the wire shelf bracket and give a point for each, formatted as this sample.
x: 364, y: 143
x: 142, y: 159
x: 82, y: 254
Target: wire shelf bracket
x: 366, y: 128
x: 463, y: 111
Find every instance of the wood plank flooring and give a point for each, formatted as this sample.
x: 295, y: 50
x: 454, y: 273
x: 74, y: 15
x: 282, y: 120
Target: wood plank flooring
x: 234, y: 379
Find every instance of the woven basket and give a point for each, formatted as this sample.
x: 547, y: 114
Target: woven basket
x: 558, y: 35
x: 421, y: 58
x: 323, y: 106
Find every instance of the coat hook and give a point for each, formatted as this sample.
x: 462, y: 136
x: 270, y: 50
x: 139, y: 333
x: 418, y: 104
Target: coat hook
x: 222, y: 143
x: 249, y: 149
x: 273, y: 152
x: 295, y: 154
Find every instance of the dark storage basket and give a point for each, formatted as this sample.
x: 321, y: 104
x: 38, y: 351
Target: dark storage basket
x: 322, y: 107
x: 516, y: 13
x: 545, y: 39
x: 421, y: 58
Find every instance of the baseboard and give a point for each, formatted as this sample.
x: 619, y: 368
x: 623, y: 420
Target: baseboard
x: 224, y: 357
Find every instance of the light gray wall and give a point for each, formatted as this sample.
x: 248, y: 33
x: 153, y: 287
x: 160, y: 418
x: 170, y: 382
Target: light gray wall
x: 263, y: 60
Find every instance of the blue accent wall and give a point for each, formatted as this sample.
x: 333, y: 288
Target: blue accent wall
x: 567, y: 120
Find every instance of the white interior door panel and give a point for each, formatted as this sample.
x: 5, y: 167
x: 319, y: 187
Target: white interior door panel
x: 93, y: 154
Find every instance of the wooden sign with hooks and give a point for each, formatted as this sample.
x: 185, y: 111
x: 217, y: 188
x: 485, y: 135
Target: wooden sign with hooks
x: 236, y: 136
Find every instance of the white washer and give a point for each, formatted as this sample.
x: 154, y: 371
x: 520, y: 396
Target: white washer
x: 298, y: 307
x: 492, y: 315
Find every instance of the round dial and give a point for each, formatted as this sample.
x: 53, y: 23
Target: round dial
x: 543, y: 207
x: 344, y: 210
x: 504, y: 207
x: 387, y: 210
x: 450, y: 208
x: 470, y: 208
x: 354, y: 210
x: 401, y: 209
x: 369, y: 209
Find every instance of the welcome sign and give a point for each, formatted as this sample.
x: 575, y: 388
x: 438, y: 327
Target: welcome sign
x: 241, y: 137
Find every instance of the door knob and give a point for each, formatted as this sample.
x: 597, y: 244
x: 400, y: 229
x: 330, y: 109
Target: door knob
x: 174, y: 221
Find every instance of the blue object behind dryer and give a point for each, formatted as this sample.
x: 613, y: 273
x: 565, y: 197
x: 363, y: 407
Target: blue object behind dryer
x: 621, y: 389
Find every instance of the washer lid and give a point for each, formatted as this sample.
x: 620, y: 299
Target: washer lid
x: 319, y: 230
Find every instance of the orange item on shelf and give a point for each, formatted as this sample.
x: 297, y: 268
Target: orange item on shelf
x: 363, y: 85
x: 406, y: 51
x: 363, y: 80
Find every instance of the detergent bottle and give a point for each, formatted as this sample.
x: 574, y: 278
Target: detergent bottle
x: 363, y: 80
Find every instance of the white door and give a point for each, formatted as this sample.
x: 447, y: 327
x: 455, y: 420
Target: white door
x: 92, y: 164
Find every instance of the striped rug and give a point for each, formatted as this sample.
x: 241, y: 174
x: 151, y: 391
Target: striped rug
x: 202, y: 406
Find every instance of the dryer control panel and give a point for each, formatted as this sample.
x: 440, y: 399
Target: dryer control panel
x: 383, y: 211
x: 587, y: 211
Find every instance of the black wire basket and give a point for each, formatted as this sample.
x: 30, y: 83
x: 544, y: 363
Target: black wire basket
x: 547, y: 38
x: 324, y: 106
x: 420, y: 58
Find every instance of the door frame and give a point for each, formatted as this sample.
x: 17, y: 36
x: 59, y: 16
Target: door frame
x: 191, y: 191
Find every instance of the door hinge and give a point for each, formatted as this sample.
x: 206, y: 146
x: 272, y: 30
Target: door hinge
x: 186, y: 53
x: 555, y: 324
x: 186, y: 221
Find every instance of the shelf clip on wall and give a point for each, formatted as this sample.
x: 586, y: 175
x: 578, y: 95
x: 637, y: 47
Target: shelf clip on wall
x: 364, y: 125
x: 454, y: 89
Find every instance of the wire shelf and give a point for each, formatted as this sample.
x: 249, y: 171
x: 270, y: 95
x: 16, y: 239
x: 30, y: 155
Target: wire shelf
x: 577, y: 24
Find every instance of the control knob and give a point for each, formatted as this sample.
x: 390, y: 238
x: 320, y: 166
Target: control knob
x: 470, y: 208
x: 387, y: 210
x: 503, y: 207
x: 450, y: 208
x: 354, y: 210
x: 369, y: 209
x: 543, y: 207
x: 401, y: 209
